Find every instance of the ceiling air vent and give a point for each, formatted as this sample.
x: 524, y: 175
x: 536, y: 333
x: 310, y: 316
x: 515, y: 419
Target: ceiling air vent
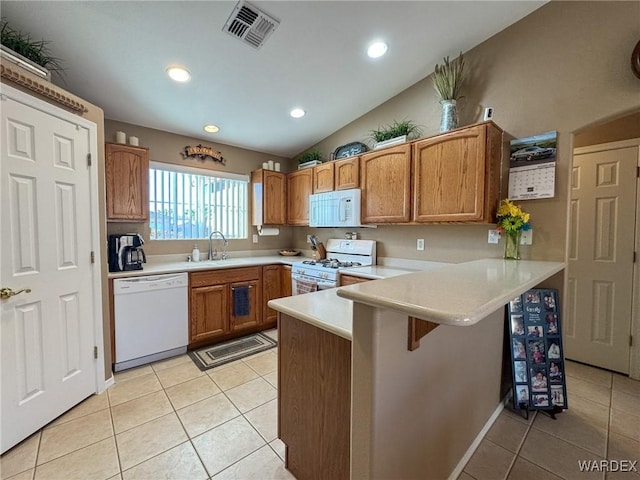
x: 250, y: 24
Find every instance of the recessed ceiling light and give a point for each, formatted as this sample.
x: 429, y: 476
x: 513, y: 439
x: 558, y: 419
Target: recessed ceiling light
x: 377, y: 49
x: 211, y: 128
x: 297, y: 113
x: 179, y: 74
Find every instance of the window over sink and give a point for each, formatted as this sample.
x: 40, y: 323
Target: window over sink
x: 190, y: 203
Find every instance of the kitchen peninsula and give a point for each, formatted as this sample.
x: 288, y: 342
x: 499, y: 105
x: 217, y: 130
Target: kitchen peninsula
x: 371, y: 402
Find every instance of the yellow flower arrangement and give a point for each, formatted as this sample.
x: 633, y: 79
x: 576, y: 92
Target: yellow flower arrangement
x: 511, y: 218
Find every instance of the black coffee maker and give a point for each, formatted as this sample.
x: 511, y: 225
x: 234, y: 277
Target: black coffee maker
x: 125, y: 252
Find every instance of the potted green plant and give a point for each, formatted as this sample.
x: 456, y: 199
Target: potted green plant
x: 397, y: 132
x: 30, y: 54
x: 447, y: 81
x: 309, y: 159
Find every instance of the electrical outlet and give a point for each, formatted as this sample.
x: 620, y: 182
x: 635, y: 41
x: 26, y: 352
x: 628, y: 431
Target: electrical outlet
x: 255, y: 238
x: 526, y: 238
x: 494, y: 236
x: 308, y: 238
x: 420, y: 244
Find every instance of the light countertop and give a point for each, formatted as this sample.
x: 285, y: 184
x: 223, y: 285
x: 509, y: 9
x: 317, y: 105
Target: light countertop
x: 156, y: 268
x: 323, y: 308
x: 376, y: 272
x: 457, y: 294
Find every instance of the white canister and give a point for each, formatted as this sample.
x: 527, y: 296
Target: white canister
x: 277, y: 166
x: 121, y: 137
x: 195, y: 254
x: 134, y: 141
x: 270, y: 163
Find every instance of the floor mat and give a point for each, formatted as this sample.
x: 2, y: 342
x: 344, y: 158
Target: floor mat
x: 231, y: 350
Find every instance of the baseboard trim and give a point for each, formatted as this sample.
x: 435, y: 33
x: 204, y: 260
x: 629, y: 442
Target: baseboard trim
x: 476, y: 442
x: 109, y: 382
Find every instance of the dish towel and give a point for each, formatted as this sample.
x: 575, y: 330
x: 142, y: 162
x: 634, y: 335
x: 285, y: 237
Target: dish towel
x: 303, y: 286
x: 241, y: 301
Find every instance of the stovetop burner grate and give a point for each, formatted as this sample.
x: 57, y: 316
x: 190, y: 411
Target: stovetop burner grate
x: 331, y: 263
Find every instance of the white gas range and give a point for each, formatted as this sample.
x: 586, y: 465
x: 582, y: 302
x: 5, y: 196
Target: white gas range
x: 311, y: 275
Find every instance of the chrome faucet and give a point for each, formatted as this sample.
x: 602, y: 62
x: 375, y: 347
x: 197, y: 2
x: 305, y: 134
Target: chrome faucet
x: 213, y: 255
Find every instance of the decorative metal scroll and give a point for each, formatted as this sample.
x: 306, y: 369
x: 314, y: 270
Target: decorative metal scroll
x: 202, y: 153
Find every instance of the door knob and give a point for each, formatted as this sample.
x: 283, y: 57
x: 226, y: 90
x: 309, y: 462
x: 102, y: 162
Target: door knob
x: 8, y: 293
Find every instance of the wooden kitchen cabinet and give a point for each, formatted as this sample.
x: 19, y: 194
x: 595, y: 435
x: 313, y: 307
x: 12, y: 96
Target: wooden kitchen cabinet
x: 287, y: 287
x: 385, y: 178
x: 127, y: 182
x: 268, y: 198
x: 323, y: 178
x: 456, y: 176
x: 211, y: 312
x: 255, y: 309
x: 299, y: 187
x: 351, y: 280
x: 272, y: 283
x: 347, y: 173
x: 209, y: 316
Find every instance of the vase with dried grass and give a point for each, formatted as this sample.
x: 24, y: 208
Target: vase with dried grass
x: 447, y: 80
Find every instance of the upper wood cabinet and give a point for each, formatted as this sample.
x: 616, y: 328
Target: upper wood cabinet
x: 268, y: 198
x: 456, y: 175
x: 385, y: 179
x: 127, y: 182
x: 323, y: 180
x: 299, y: 187
x: 347, y: 173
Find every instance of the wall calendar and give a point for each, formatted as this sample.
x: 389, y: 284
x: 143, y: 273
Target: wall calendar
x: 532, y: 171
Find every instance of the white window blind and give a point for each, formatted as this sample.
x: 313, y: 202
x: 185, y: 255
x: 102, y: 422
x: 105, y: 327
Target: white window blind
x: 190, y: 203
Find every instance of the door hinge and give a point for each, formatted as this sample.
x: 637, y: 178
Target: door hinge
x: 634, y: 257
x: 95, y: 352
x: 631, y: 340
x: 88, y: 159
x: 93, y: 257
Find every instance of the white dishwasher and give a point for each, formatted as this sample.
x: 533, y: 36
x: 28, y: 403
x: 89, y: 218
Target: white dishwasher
x: 151, y: 318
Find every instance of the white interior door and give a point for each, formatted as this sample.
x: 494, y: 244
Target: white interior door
x: 48, y: 334
x: 601, y: 255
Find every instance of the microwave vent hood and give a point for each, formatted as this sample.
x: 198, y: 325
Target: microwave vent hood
x: 335, y: 209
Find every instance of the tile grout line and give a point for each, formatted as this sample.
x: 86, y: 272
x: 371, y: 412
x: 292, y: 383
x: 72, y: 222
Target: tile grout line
x: 524, y: 438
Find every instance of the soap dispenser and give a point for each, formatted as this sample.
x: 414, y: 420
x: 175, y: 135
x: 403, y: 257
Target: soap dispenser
x: 195, y: 254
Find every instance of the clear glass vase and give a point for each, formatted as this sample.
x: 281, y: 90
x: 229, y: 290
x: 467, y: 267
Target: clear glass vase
x: 512, y: 245
x: 449, y: 119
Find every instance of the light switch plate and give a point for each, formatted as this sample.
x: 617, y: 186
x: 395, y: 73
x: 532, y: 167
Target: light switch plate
x: 420, y: 244
x: 494, y: 236
x: 526, y: 238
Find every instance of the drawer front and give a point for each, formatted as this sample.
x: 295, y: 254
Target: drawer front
x: 218, y: 277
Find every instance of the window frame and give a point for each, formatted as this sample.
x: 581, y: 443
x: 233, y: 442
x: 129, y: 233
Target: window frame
x: 244, y: 204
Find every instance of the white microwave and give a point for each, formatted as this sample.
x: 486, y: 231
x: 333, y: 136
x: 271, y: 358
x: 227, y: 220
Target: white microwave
x: 335, y: 209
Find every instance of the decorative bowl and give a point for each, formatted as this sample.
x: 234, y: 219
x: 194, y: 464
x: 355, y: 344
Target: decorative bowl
x: 289, y: 253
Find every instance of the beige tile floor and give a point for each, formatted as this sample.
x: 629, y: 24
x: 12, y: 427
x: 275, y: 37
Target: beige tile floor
x: 169, y: 420
x: 602, y: 422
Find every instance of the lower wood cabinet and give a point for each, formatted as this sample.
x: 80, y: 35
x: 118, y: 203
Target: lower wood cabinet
x: 209, y: 316
x: 271, y: 288
x: 211, y: 303
x: 287, y: 288
x: 351, y: 280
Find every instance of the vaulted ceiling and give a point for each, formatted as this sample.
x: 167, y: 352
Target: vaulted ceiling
x: 115, y: 55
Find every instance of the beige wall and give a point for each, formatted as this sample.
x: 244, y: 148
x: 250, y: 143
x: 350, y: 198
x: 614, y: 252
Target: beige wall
x: 166, y: 147
x: 564, y: 67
